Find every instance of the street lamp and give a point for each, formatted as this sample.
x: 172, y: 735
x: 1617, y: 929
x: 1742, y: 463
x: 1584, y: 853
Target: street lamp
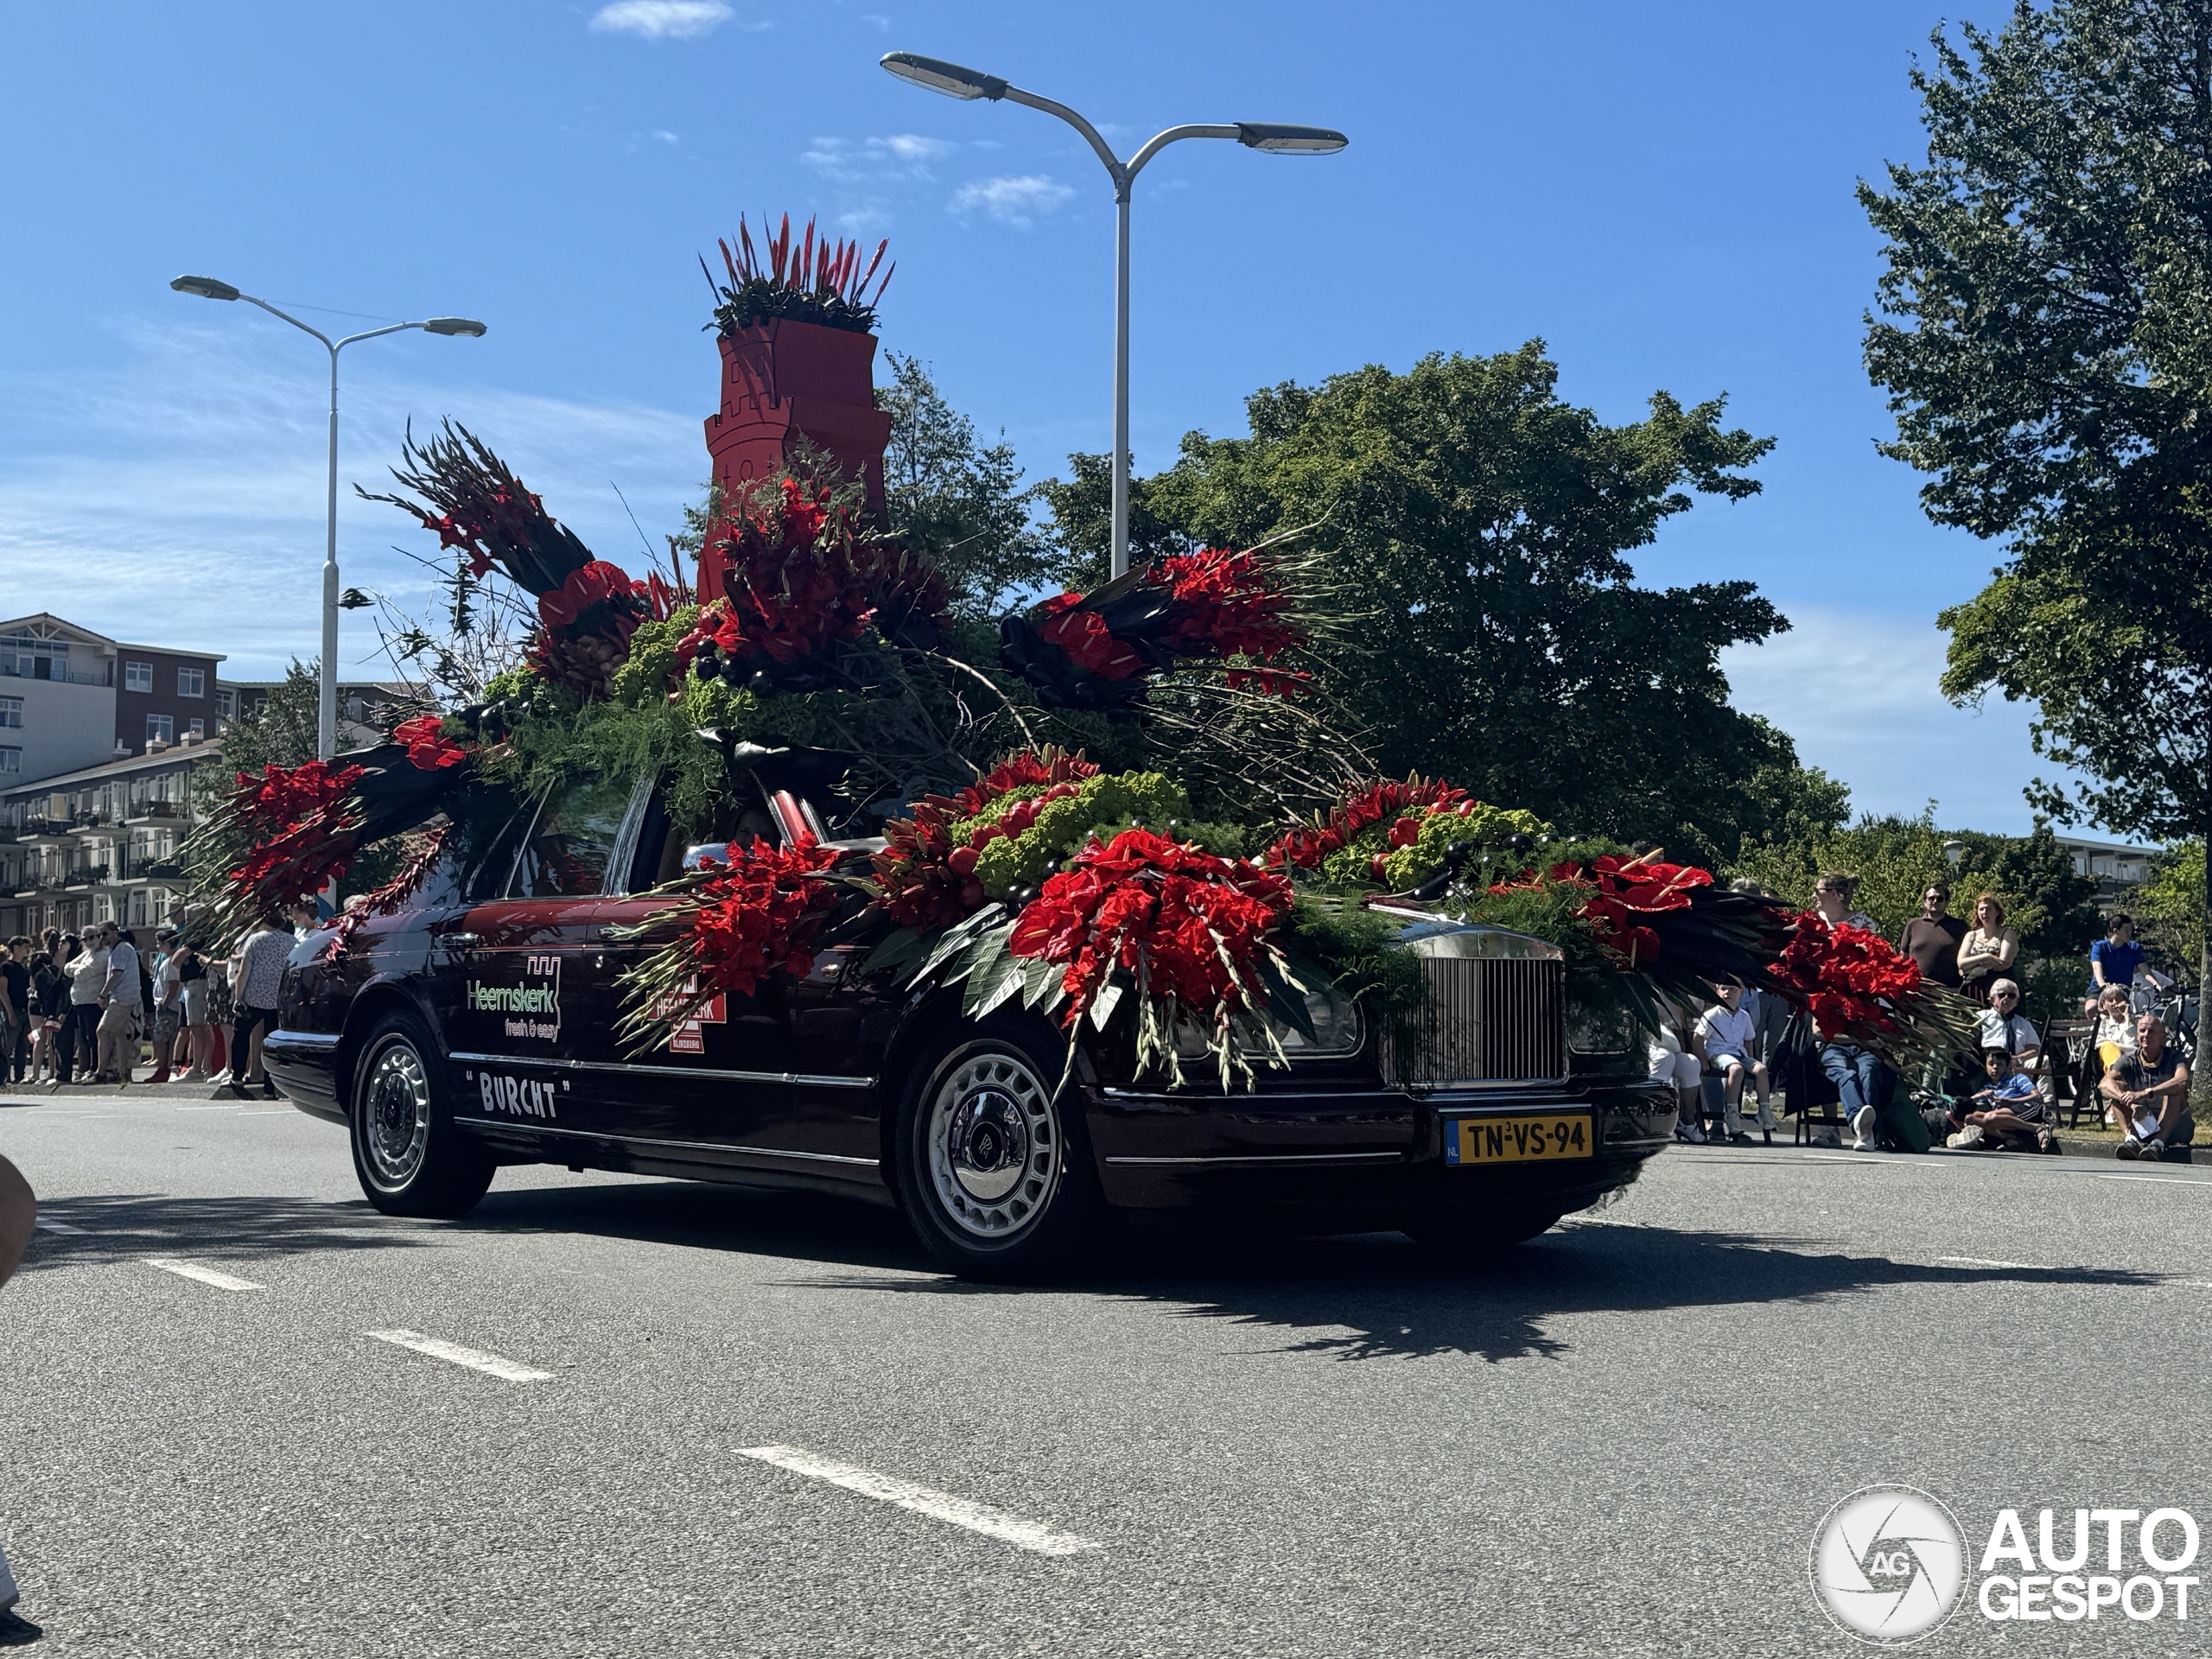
x: 208, y: 288
x: 1275, y: 139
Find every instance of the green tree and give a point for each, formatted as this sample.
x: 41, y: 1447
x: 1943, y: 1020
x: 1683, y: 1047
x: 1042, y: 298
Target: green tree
x: 2169, y: 908
x: 279, y: 730
x: 2046, y: 340
x: 1478, y: 524
x: 959, y: 501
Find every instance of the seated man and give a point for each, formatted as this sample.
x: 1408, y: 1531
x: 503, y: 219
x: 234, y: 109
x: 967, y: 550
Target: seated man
x: 1727, y: 1035
x: 2008, y: 1114
x: 2150, y: 1091
x: 2003, y: 1026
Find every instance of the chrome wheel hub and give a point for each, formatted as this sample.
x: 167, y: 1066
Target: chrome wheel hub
x: 396, y: 1115
x: 994, y: 1145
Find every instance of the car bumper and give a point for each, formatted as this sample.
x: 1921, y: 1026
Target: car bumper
x: 304, y: 1066
x: 1362, y: 1153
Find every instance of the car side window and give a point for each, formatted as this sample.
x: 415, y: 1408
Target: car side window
x: 572, y: 843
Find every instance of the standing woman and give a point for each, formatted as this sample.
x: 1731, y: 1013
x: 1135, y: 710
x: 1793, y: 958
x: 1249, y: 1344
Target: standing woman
x: 1862, y: 1082
x: 198, y: 1031
x: 1988, y: 949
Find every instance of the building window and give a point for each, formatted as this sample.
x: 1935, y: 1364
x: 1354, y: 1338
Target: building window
x: 11, y: 712
x: 137, y: 676
x: 161, y: 728
x: 226, y: 705
x: 192, y: 682
x: 196, y: 726
x: 11, y: 759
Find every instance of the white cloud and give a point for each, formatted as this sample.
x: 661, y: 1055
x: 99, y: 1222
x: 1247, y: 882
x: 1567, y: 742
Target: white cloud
x: 899, y: 155
x: 662, y: 20
x: 1011, y: 199
x: 1857, y: 693
x: 223, y: 434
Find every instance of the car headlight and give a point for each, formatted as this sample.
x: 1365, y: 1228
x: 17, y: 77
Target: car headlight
x: 1600, y: 1030
x: 1334, y: 1017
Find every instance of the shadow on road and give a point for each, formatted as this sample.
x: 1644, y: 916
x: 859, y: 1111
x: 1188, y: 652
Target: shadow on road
x: 697, y: 1215
x: 1379, y: 1296
x: 126, y: 1226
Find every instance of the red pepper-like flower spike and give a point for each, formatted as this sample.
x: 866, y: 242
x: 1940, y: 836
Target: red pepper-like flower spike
x: 428, y: 747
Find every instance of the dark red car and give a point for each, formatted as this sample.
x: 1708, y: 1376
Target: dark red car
x: 478, y: 1027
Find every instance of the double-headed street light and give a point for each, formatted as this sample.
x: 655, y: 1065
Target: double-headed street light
x: 207, y: 288
x: 954, y: 81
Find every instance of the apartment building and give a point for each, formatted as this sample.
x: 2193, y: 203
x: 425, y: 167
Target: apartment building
x: 99, y: 843
x: 71, y: 698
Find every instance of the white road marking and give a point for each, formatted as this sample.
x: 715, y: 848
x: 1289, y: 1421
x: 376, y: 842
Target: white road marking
x: 1978, y: 1262
x: 205, y: 1276
x: 2171, y: 1180
x: 922, y: 1500
x: 46, y: 1226
x: 455, y: 1354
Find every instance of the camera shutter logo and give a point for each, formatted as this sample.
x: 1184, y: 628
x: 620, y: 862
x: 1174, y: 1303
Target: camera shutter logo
x: 1889, y: 1564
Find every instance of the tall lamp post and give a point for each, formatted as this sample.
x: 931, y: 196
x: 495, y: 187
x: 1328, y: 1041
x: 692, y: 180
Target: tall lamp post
x: 207, y: 288
x: 954, y: 81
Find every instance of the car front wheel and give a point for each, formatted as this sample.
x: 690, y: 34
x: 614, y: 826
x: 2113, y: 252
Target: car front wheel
x: 410, y: 1159
x: 994, y: 1171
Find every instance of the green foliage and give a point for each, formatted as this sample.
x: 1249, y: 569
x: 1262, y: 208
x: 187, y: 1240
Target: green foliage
x: 960, y: 503
x: 281, y: 730
x: 651, y: 669
x: 2168, y: 909
x: 1485, y: 827
x: 1110, y: 798
x: 1358, y: 949
x: 2046, y: 341
x: 1895, y: 858
x: 1082, y: 507
x: 1481, y: 524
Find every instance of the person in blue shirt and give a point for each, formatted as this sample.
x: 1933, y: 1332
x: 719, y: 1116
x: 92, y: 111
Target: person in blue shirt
x: 2113, y: 960
x: 2008, y: 1114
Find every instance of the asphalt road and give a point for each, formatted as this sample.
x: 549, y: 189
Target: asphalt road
x: 1618, y: 1442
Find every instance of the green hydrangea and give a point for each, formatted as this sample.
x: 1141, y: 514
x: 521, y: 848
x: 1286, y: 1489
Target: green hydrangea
x: 1110, y: 798
x: 1408, y: 866
x: 648, y: 674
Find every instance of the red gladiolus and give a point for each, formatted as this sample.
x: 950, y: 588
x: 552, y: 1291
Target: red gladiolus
x: 759, y: 915
x: 1847, y: 976
x: 1225, y: 605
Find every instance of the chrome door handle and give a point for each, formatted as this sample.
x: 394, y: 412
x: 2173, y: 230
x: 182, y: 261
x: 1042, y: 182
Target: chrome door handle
x: 461, y: 940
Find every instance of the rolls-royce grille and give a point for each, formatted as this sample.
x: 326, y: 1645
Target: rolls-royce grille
x: 1485, y: 1021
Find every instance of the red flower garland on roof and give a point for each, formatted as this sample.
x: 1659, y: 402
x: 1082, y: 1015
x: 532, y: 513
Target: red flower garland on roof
x: 1188, y: 925
x: 428, y: 747
x: 1408, y: 802
x: 925, y: 881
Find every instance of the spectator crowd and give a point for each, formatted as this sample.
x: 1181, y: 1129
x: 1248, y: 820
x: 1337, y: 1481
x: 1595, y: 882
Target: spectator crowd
x: 1752, y: 1044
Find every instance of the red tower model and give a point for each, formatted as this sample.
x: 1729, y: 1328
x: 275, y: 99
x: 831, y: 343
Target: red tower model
x: 784, y: 381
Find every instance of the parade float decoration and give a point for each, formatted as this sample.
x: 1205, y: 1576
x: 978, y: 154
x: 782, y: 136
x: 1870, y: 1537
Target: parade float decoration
x: 932, y: 801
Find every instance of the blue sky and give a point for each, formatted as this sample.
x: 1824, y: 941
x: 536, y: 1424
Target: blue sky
x: 1662, y: 194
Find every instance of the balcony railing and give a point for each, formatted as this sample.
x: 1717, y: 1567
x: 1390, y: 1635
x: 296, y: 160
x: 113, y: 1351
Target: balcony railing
x: 11, y: 668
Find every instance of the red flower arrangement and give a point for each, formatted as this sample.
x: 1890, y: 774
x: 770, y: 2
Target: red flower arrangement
x: 1189, y: 926
x: 797, y: 575
x: 760, y: 914
x: 1625, y: 890
x: 927, y: 881
x: 1407, y: 803
x: 587, y: 623
x: 1089, y: 643
x: 1092, y: 650
x: 1855, y: 981
x: 1226, y: 605
x: 428, y: 747
x: 299, y: 828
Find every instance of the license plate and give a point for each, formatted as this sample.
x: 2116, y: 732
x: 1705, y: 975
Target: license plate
x: 1518, y: 1140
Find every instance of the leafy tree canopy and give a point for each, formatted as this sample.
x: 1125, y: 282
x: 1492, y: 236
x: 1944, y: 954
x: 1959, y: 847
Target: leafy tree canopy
x: 2046, y: 339
x: 1476, y: 526
x: 279, y: 730
x: 2169, y: 908
x: 959, y: 501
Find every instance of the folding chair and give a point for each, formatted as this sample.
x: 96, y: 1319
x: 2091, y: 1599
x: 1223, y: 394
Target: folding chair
x: 1807, y: 1094
x: 2066, y: 1044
